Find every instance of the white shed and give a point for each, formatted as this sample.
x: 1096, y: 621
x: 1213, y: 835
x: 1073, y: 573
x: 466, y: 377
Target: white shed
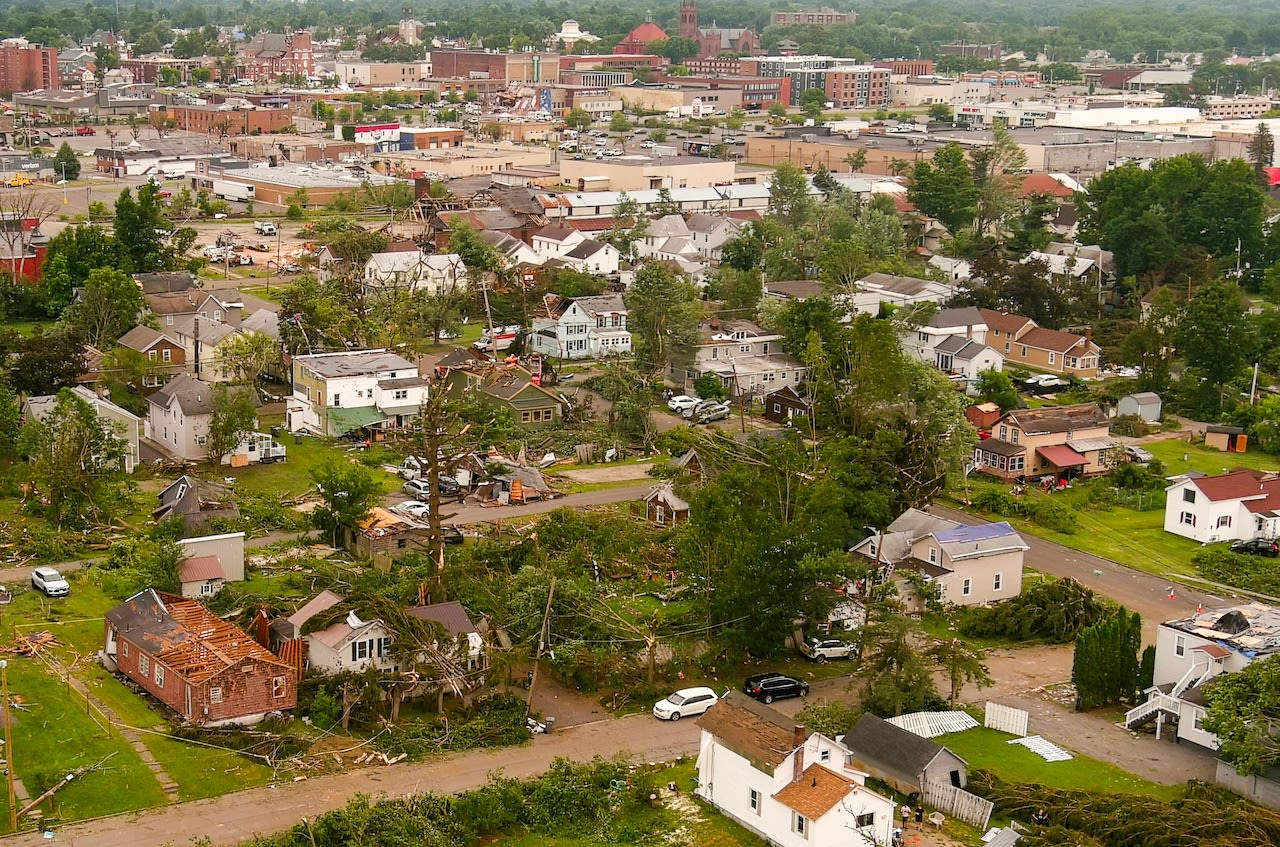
x: 1144, y: 404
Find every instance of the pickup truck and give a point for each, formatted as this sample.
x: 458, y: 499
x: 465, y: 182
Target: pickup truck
x: 264, y: 228
x: 822, y: 649
x: 86, y: 130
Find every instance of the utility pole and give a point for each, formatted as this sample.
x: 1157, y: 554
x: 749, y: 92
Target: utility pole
x: 8, y: 746
x: 544, y: 636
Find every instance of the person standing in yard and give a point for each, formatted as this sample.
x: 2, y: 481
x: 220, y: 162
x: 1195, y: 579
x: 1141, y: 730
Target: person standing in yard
x: 920, y: 816
x: 906, y: 815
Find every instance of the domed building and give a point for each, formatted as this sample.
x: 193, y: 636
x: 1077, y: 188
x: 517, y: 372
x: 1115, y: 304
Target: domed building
x: 638, y: 40
x: 570, y: 34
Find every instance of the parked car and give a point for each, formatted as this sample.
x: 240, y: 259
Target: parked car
x: 648, y: 144
x: 49, y: 582
x: 412, y: 509
x: 452, y: 535
x: 767, y: 687
x: 1257, y: 547
x: 681, y: 402
x: 692, y: 412
x: 718, y: 412
x: 1138, y: 454
x: 823, y: 649
x: 686, y: 701
x: 422, y: 488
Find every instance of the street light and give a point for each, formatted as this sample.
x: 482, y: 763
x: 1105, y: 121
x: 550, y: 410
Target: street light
x: 64, y: 182
x: 8, y: 746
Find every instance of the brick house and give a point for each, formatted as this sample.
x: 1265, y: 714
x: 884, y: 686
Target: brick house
x: 1060, y: 441
x: 1024, y: 342
x: 664, y: 508
x: 208, y: 671
x: 166, y: 357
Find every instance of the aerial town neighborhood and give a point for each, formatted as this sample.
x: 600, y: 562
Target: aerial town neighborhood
x: 747, y: 424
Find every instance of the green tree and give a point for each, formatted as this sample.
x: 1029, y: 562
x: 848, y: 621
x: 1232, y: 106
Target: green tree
x: 897, y: 678
x: 43, y: 362
x: 10, y: 418
x: 738, y: 291
x: 813, y: 101
x: 1107, y: 667
x: 110, y: 306
x: 347, y: 493
x: 996, y: 387
x: 710, y: 387
x: 1244, y: 712
x: 789, y: 200
x: 1262, y: 151
x: 995, y: 175
x: 675, y: 48
x: 76, y: 459
x: 961, y: 662
x: 940, y: 112
x: 233, y: 414
x: 944, y: 188
x: 619, y: 123
x: 170, y: 77
x: 663, y: 317
x: 200, y: 75
x: 247, y: 356
x: 65, y: 163
x: 1214, y: 336
x: 578, y: 119
x: 138, y: 224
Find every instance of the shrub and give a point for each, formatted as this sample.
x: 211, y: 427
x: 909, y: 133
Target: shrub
x: 1053, y: 611
x: 1252, y: 573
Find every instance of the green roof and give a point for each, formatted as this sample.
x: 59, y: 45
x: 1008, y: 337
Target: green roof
x: 343, y: 420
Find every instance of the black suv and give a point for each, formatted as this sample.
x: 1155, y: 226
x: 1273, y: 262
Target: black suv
x: 767, y: 687
x: 1257, y: 547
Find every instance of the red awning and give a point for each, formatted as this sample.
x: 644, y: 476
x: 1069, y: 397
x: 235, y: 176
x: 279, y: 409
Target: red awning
x: 1062, y: 456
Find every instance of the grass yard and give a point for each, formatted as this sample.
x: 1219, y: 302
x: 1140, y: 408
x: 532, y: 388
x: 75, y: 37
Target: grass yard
x: 1206, y: 459
x: 293, y: 477
x: 989, y: 749
x: 53, y: 735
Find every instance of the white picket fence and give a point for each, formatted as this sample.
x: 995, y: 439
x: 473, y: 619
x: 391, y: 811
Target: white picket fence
x: 958, y: 803
x: 1006, y: 719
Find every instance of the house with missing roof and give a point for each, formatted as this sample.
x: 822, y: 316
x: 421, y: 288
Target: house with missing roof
x: 745, y: 357
x: 1053, y: 441
x: 970, y: 565
x: 353, y: 390
x: 790, y: 787
x: 878, y: 290
x: 1024, y: 342
x: 207, y: 670
x: 581, y: 328
x: 901, y: 758
x: 210, y: 562
x: 1191, y: 653
x: 1234, y: 506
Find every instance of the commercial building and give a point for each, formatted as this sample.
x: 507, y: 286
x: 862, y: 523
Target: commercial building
x: 271, y: 54
x: 24, y: 66
x: 758, y: 92
x: 906, y: 67
x: 857, y: 87
x: 224, y: 121
x: 375, y: 74
x: 1240, y: 107
x: 973, y: 51
x: 634, y: 173
x: 706, y: 98
x: 480, y: 64
x: 275, y: 185
x: 825, y: 16
x: 147, y: 68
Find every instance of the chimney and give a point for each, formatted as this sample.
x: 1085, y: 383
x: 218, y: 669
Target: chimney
x: 1088, y: 334
x: 798, y: 736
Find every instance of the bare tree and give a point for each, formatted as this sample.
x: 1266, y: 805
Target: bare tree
x: 18, y: 210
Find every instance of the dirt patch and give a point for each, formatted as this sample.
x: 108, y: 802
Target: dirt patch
x: 609, y: 473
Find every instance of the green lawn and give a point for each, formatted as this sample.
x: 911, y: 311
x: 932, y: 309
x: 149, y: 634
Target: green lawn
x: 293, y: 477
x: 990, y: 750
x: 1206, y: 459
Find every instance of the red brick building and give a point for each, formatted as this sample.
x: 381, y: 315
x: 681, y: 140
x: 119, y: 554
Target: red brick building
x: 147, y: 68
x: 906, y: 67
x: 26, y: 68
x: 716, y: 40
x: 213, y: 120
x: 272, y: 54
x: 858, y: 87
x: 205, y: 669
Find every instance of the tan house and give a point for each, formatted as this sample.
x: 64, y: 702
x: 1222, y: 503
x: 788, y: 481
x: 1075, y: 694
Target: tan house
x: 1023, y: 342
x: 1056, y: 441
x: 970, y: 565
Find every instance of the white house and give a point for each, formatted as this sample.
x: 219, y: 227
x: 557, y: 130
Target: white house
x: 1191, y: 653
x: 955, y: 270
x: 710, y: 232
x: 411, y: 270
x: 1239, y: 505
x: 337, y: 393
x: 178, y: 416
x: 349, y: 644
x: 590, y: 257
x: 668, y: 239
x: 954, y: 341
x: 964, y: 357
x: 745, y: 357
x: 201, y: 338
x: 877, y: 290
x: 792, y: 788
x: 514, y: 252
x: 128, y: 426
x: 555, y: 240
x: 210, y: 562
x: 581, y: 328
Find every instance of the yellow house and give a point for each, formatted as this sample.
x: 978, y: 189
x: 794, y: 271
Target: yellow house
x: 1023, y: 342
x: 1056, y: 441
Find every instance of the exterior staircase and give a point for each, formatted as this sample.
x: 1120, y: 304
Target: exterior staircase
x: 1157, y: 703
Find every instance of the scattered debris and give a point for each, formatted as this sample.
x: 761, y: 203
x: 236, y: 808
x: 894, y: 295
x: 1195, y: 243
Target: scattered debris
x: 30, y: 644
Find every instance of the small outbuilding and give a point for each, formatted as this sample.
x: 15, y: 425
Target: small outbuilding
x: 1143, y: 404
x: 664, y: 508
x: 900, y: 758
x: 784, y: 404
x: 1228, y: 439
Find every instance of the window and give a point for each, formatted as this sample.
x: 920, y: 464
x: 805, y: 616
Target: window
x: 1179, y: 645
x: 866, y: 819
x: 933, y: 555
x: 337, y: 400
x: 966, y: 588
x: 1004, y: 433
x: 871, y: 548
x: 206, y: 588
x: 1188, y: 495
x: 151, y: 354
x: 1187, y: 518
x: 279, y: 686
x: 777, y: 408
x: 1053, y: 358
x: 744, y: 348
x: 402, y: 394
x: 1006, y: 347
x: 359, y: 650
x: 1224, y: 520
x: 124, y: 645
x: 159, y: 675
x: 1014, y: 439
x: 660, y: 514
x: 166, y: 355
x: 144, y: 665
x: 824, y: 756
x: 800, y: 825
x: 1199, y: 719
x: 1024, y: 351
x: 997, y: 581
x: 753, y: 800
x: 384, y: 646
x: 215, y: 695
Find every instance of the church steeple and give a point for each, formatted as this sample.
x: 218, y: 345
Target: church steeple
x: 689, y: 20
